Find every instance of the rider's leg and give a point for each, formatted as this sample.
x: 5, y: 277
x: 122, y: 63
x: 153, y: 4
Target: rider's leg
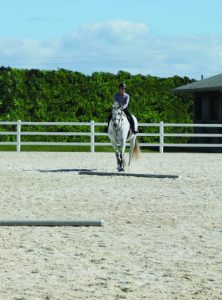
x: 130, y: 118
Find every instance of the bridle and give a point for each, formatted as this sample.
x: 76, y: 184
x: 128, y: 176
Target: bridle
x: 117, y: 118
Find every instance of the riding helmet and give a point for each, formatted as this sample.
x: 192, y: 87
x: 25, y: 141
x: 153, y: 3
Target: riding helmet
x: 122, y: 85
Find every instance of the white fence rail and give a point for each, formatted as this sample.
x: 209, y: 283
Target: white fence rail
x: 161, y: 134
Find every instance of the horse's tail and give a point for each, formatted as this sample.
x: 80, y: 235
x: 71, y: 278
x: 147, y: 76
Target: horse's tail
x: 136, y: 149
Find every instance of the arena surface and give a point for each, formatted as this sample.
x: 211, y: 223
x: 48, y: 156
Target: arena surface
x: 161, y: 237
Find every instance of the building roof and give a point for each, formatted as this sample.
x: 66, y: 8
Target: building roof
x: 213, y: 83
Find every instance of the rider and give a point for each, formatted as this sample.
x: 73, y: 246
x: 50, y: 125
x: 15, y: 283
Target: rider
x: 122, y: 98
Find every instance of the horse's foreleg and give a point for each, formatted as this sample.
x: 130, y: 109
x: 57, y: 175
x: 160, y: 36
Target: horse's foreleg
x: 117, y: 154
x: 118, y: 159
x: 122, y: 154
x: 123, y: 161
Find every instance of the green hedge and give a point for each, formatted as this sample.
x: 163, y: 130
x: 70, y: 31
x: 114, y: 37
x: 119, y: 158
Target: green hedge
x: 67, y: 96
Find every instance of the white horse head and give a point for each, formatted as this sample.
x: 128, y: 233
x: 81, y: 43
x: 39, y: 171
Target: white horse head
x: 117, y: 117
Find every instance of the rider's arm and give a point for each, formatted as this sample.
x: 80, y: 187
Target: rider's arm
x: 126, y: 101
x: 116, y: 101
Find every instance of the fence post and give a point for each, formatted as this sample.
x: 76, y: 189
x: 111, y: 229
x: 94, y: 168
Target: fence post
x: 18, y: 136
x: 161, y: 137
x: 92, y: 131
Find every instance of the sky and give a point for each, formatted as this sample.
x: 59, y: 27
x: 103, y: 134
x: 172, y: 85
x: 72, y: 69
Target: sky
x: 151, y: 37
